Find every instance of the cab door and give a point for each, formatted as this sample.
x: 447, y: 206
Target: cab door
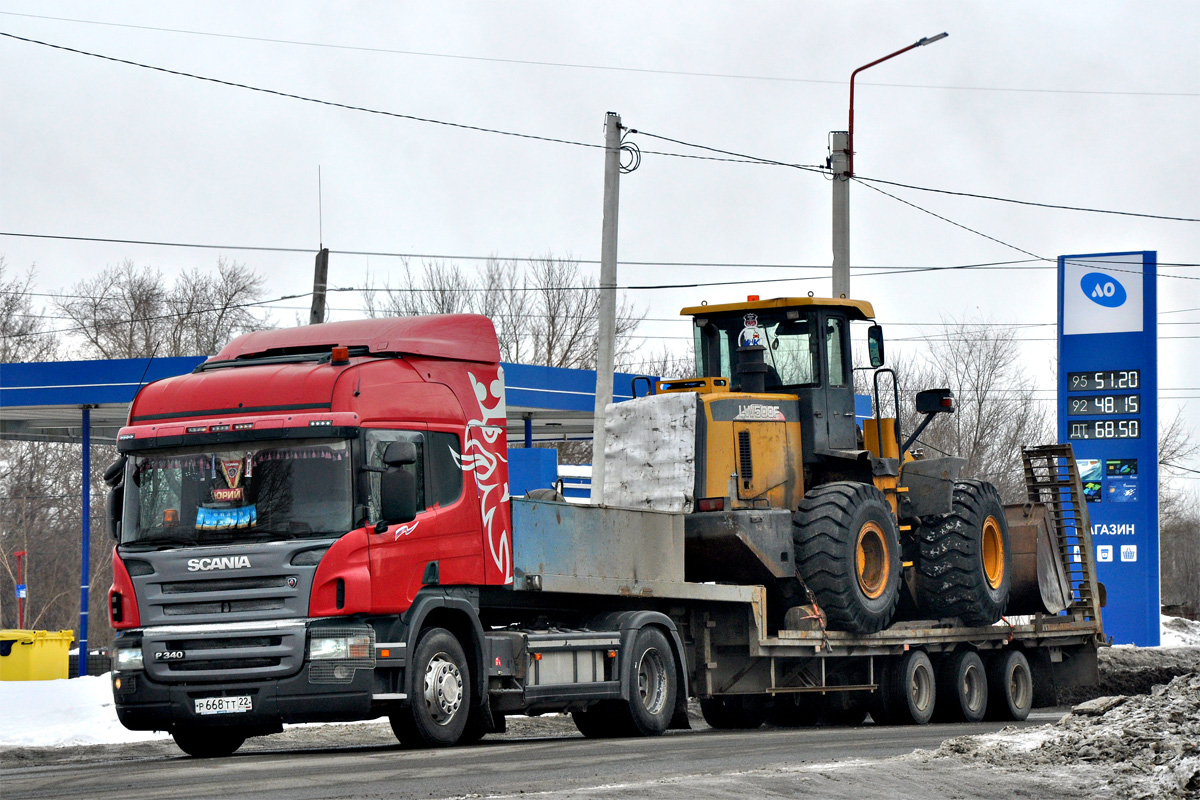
x: 840, y: 421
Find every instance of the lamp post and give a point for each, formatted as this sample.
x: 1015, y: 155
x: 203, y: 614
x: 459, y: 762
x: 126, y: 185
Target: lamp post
x: 21, y: 590
x: 841, y: 163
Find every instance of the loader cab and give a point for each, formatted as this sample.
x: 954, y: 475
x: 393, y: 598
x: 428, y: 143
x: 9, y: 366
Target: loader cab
x: 804, y: 346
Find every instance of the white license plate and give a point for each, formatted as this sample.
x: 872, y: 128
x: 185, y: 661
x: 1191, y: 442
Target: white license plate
x: 223, y: 705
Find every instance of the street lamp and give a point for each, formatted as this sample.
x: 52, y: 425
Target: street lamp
x: 841, y: 163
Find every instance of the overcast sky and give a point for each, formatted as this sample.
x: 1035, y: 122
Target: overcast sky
x: 1071, y: 103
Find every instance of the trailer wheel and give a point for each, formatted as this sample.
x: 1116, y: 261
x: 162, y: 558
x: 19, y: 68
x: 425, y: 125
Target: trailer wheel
x: 796, y: 710
x: 734, y: 712
x: 208, y: 742
x: 907, y: 691
x: 1010, y: 686
x: 440, y: 693
x: 848, y: 554
x: 962, y: 687
x: 965, y: 560
x: 844, y: 709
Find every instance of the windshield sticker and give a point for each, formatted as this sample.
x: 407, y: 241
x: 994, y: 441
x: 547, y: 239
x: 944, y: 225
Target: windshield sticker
x: 751, y: 335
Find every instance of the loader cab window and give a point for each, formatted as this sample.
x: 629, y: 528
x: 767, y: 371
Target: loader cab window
x: 835, y: 352
x: 792, y: 346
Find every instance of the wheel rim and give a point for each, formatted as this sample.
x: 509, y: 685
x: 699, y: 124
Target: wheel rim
x: 972, y: 689
x: 871, y: 560
x: 993, y: 552
x: 1019, y: 687
x: 921, y: 688
x: 443, y: 689
x: 652, y: 681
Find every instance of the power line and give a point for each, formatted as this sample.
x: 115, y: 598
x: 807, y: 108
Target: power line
x: 597, y: 67
x: 555, y: 140
x: 1026, y: 202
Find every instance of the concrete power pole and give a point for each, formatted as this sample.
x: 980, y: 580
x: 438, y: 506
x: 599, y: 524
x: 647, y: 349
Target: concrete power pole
x: 839, y: 165
x: 320, y: 281
x: 606, y: 334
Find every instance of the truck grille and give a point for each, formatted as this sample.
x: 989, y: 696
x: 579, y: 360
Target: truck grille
x: 223, y: 653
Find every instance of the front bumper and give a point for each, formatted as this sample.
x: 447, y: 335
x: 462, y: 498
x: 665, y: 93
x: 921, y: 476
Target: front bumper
x: 143, y: 704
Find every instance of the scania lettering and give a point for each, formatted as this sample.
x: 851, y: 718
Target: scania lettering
x: 315, y: 525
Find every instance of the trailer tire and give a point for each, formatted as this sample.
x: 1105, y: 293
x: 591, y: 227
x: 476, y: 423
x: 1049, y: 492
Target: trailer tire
x: 208, y: 742
x: 843, y: 709
x: 734, y: 712
x: 848, y: 554
x: 907, y: 691
x: 439, y: 693
x: 962, y: 688
x: 1010, y: 686
x: 796, y: 710
x: 964, y: 564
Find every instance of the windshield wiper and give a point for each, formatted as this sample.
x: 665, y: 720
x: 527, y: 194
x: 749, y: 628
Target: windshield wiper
x: 163, y: 542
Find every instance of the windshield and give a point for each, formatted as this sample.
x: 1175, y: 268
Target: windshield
x: 250, y: 491
x: 791, y: 346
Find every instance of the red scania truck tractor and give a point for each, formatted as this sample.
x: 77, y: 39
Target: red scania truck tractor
x: 315, y: 525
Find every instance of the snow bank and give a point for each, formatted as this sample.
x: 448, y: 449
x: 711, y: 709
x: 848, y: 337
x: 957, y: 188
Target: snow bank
x: 64, y: 712
x: 1179, y: 632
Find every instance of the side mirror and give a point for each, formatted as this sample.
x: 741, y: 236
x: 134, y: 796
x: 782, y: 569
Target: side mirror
x: 112, y: 506
x: 114, y: 473
x: 875, y: 345
x: 398, y: 454
x: 398, y: 493
x: 935, y: 401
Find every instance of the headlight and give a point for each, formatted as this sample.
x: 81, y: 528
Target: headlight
x: 343, y: 647
x: 129, y: 658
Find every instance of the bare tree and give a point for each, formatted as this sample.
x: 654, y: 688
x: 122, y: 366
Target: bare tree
x: 23, y: 335
x: 130, y: 312
x: 546, y: 314
x: 997, y: 412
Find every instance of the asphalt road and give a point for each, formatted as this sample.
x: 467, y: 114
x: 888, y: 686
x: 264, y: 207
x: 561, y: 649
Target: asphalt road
x: 683, y: 764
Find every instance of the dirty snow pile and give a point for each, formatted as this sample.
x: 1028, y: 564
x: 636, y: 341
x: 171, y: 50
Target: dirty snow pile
x: 1180, y: 632
x: 1151, y: 743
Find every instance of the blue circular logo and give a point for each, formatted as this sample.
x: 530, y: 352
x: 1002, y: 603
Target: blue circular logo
x: 1103, y: 289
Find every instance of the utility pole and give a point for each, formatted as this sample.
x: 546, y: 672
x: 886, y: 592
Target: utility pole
x: 606, y: 333
x: 320, y: 280
x: 839, y: 166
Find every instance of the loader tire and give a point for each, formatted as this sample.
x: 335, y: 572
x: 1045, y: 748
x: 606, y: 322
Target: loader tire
x: 964, y: 563
x: 848, y: 554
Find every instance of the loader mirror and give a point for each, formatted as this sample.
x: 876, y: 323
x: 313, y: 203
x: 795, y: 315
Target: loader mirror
x: 875, y: 345
x: 935, y: 401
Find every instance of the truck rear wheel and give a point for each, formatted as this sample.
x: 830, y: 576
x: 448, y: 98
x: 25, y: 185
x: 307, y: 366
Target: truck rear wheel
x: 652, y: 694
x: 848, y: 554
x: 965, y: 560
x: 1010, y: 685
x: 208, y: 742
x: 962, y: 687
x: 907, y: 691
x: 734, y: 712
x: 440, y: 693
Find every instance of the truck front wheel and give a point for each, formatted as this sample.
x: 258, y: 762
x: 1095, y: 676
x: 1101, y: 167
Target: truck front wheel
x: 208, y: 742
x: 440, y: 693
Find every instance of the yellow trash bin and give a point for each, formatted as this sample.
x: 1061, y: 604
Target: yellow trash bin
x: 34, y: 655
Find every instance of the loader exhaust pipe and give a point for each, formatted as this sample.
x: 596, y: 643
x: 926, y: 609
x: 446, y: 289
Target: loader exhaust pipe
x: 752, y: 369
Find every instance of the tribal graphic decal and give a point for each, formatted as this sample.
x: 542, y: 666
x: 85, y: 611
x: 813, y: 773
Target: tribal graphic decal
x: 485, y: 450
